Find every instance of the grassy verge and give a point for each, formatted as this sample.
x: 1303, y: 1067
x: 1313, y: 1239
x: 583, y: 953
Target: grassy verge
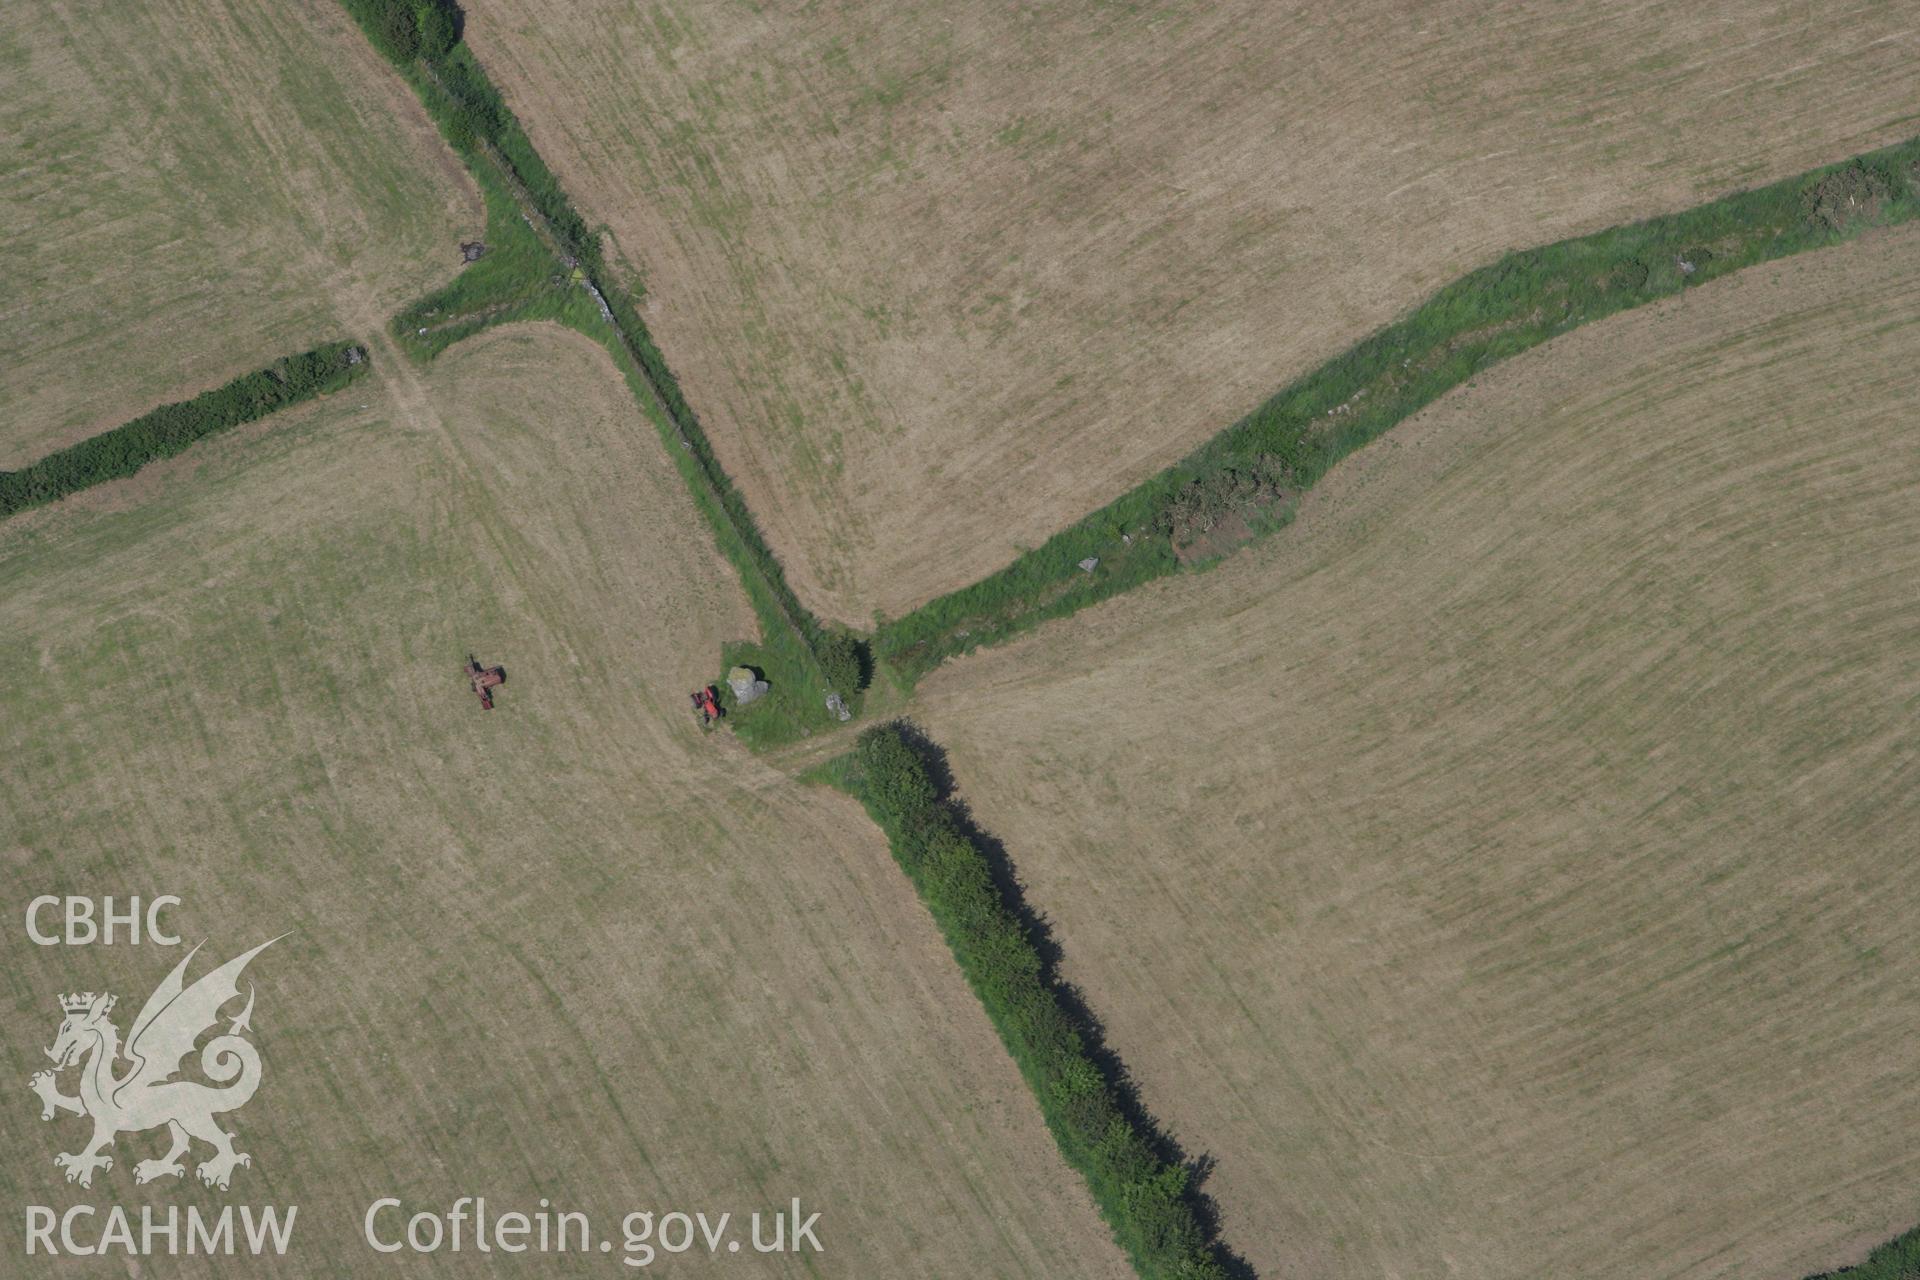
x: 166, y: 431
x: 1145, y: 1197
x: 1242, y: 483
x: 543, y: 241
x: 518, y: 278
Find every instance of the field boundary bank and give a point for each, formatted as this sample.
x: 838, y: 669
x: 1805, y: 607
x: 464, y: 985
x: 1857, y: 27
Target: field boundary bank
x: 1242, y: 484
x: 1147, y: 1198
x: 1144, y: 1189
x: 170, y: 429
x: 806, y: 661
x: 712, y: 480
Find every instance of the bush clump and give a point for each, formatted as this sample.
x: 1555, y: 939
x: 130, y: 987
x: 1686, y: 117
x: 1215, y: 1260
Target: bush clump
x: 844, y: 661
x: 1145, y: 1199
x: 439, y: 26
x: 1693, y: 259
x: 407, y: 29
x: 1629, y: 276
x: 169, y: 429
x: 1198, y: 508
x: 1847, y: 197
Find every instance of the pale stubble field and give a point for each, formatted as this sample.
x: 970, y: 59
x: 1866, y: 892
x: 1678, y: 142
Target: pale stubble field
x: 192, y: 192
x: 1503, y: 872
x: 572, y: 948
x: 941, y: 278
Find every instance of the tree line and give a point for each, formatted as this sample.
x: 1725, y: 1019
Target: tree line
x: 166, y: 431
x: 1146, y: 1200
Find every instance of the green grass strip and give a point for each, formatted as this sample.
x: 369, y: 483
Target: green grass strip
x: 1251, y: 472
x: 1146, y: 1198
x: 803, y: 659
x: 168, y: 430
x: 519, y: 278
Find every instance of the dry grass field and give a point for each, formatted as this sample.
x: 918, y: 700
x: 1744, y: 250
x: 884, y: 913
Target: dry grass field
x: 1507, y: 871
x: 571, y: 948
x: 940, y: 278
x: 191, y: 191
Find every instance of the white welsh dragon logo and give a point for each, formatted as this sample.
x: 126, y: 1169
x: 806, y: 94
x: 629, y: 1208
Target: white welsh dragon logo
x: 147, y: 1096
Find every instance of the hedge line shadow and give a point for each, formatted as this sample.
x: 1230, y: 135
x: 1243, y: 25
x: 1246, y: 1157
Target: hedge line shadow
x: 1093, y: 1032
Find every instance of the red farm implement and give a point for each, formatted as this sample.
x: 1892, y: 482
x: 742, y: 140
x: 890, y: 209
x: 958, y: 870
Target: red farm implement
x: 483, y: 681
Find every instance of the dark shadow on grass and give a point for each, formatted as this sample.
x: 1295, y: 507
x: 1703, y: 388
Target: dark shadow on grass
x: 1092, y: 1031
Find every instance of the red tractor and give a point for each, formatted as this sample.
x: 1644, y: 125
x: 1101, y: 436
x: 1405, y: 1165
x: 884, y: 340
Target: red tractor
x: 483, y: 680
x: 706, y: 704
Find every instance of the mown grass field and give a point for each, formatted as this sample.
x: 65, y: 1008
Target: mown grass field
x: 571, y: 948
x: 1504, y: 871
x: 942, y: 278
x: 191, y: 192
